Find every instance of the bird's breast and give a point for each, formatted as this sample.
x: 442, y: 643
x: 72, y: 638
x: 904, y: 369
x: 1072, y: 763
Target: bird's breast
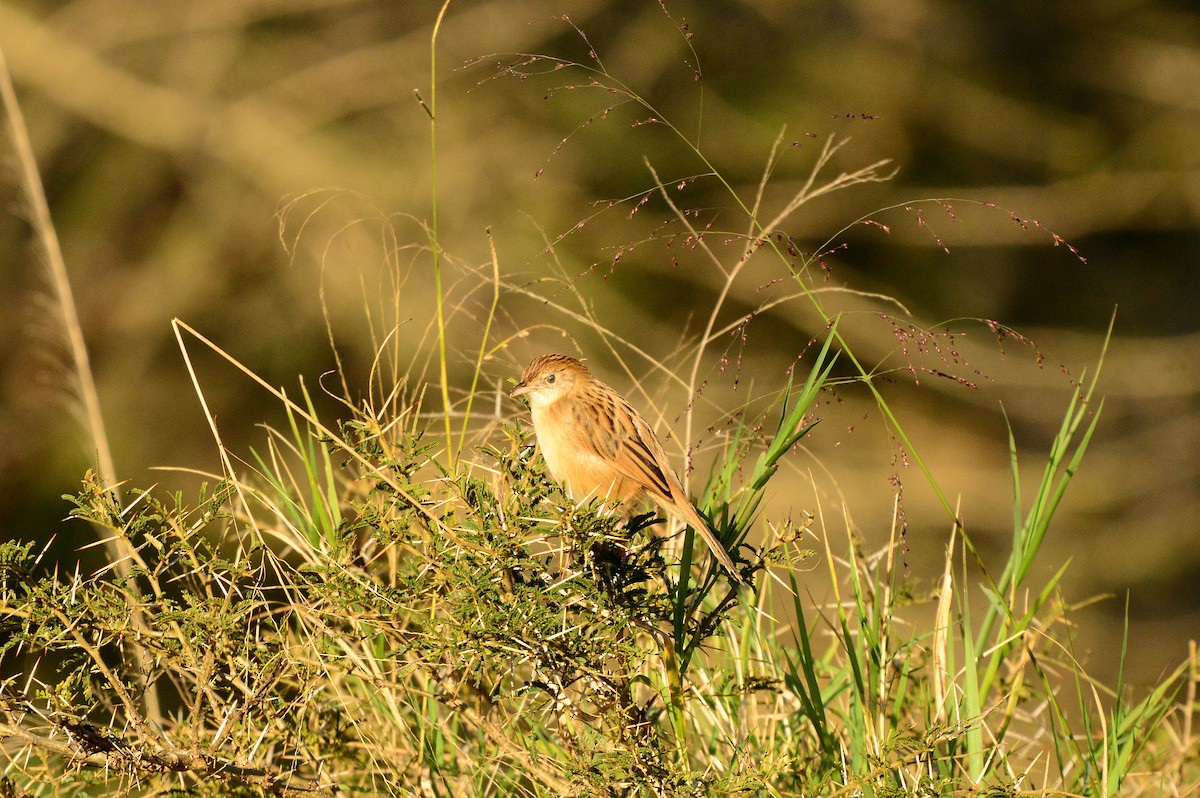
x: 573, y: 447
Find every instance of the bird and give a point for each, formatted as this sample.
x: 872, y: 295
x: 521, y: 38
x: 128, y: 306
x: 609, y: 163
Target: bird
x: 596, y: 445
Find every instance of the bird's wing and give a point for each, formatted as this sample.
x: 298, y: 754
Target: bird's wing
x: 610, y: 429
x: 620, y: 437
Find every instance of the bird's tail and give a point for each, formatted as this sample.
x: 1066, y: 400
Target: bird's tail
x: 687, y: 512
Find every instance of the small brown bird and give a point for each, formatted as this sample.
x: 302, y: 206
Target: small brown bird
x: 598, y: 446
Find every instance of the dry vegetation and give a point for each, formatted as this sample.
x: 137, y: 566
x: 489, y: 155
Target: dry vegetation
x: 382, y: 593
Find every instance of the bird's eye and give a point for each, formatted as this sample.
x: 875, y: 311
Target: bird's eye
x: 551, y: 377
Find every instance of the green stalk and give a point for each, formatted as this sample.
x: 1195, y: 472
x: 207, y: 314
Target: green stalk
x: 1060, y: 467
x: 435, y: 246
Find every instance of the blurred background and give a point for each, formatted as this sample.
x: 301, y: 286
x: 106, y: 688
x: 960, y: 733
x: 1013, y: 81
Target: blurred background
x: 261, y: 169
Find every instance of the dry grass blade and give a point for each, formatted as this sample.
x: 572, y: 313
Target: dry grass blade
x: 60, y: 284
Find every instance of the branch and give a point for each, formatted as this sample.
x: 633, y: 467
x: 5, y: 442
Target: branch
x: 86, y: 745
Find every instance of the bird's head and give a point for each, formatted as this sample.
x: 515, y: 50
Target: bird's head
x: 549, y: 378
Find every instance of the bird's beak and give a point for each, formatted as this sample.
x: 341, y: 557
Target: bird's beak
x: 520, y: 389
